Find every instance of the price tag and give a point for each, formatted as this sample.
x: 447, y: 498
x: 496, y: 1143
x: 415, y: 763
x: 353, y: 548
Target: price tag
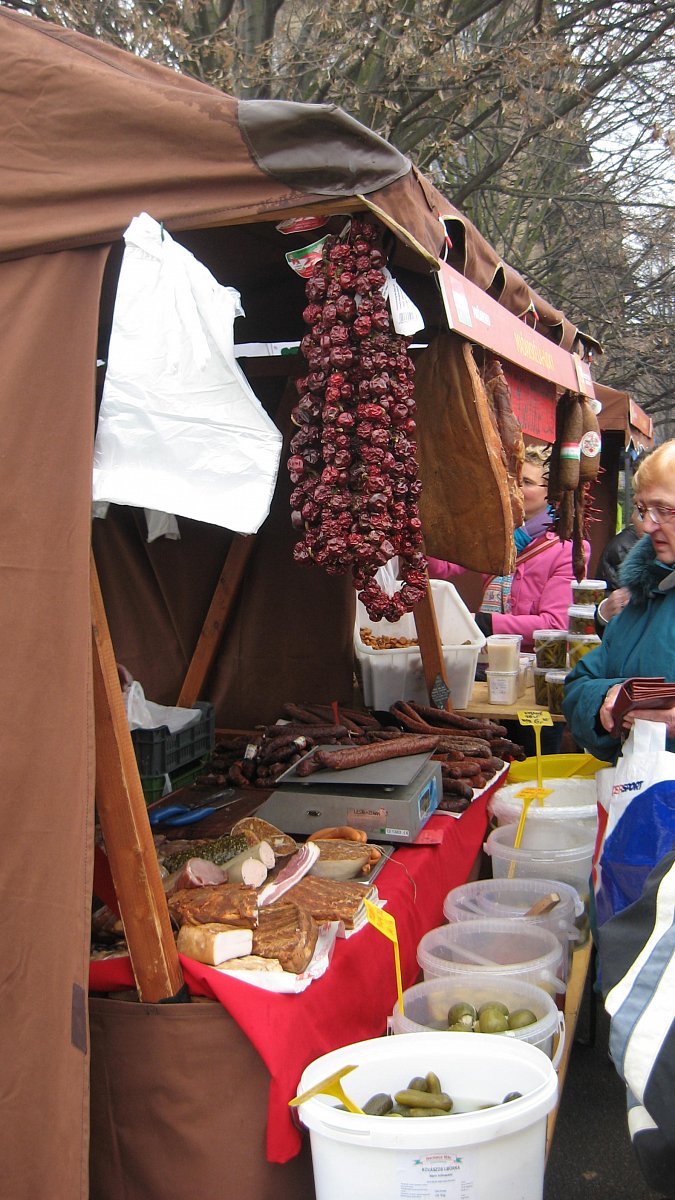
x: 535, y: 716
x: 385, y: 923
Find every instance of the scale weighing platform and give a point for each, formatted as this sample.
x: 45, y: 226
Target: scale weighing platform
x: 390, y: 800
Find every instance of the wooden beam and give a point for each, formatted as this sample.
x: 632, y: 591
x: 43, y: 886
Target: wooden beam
x: 224, y: 596
x: 431, y: 652
x: 124, y: 821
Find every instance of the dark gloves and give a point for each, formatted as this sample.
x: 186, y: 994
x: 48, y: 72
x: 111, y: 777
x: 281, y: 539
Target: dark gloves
x: 484, y: 622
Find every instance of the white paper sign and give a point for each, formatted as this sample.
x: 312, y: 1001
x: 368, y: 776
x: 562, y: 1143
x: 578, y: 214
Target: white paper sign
x: 437, y: 1176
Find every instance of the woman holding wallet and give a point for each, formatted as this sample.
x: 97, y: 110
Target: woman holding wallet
x: 640, y: 639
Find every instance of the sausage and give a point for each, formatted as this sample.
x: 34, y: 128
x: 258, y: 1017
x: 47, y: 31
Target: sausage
x: 361, y: 756
x: 439, y: 716
x: 471, y: 747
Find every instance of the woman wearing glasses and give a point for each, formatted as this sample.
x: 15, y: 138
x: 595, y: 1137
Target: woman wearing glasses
x: 640, y: 639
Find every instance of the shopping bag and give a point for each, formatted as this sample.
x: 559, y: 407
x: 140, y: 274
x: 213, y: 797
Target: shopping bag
x: 180, y: 430
x: 637, y: 949
x: 636, y: 810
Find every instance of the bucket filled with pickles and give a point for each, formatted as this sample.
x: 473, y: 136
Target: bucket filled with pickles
x: 454, y: 1111
x: 483, y: 1005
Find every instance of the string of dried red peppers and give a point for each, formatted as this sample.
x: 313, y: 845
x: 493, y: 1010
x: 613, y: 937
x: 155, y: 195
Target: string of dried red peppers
x: 353, y: 460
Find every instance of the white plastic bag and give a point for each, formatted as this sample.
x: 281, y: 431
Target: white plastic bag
x: 180, y: 430
x: 145, y: 714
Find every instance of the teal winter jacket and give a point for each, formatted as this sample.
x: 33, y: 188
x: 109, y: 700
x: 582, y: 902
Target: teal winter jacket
x: 640, y: 640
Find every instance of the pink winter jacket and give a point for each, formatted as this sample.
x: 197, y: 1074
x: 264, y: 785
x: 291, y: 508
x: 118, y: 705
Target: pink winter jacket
x: 541, y: 590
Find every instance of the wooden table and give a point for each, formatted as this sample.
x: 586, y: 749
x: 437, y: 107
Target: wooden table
x: 573, y: 997
x: 479, y: 705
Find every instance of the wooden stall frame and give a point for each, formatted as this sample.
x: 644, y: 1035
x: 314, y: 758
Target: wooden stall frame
x: 126, y: 830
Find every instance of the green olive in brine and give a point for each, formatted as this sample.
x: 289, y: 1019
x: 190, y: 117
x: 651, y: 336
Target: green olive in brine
x: 492, y: 1021
x: 521, y: 1017
x: 462, y: 1013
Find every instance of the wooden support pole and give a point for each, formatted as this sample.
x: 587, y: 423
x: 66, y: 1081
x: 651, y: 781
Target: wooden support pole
x: 227, y: 588
x: 124, y: 821
x: 431, y: 652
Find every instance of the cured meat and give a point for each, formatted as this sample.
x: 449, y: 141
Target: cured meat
x: 222, y: 904
x: 510, y: 434
x: 254, y: 830
x: 286, y: 932
x: 361, y: 756
x: 328, y: 900
x: 197, y: 872
x: 290, y: 874
x: 465, y: 502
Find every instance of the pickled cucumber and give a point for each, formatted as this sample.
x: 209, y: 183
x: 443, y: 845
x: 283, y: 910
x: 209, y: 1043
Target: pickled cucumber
x: 416, y: 1099
x: 379, y: 1105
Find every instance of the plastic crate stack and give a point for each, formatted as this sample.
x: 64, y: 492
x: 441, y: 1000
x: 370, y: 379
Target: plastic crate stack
x: 180, y: 756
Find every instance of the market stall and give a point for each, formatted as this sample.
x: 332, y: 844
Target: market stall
x: 95, y: 137
x: 627, y: 432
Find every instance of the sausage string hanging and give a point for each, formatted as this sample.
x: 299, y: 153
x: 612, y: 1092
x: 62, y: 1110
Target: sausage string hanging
x: 353, y: 461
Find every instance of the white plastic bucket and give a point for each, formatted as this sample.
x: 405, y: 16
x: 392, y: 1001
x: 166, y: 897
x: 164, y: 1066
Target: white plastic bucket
x: 426, y: 1006
x: 513, y: 898
x: 496, y: 1152
x: 508, y: 947
x: 570, y: 800
x: 560, y: 851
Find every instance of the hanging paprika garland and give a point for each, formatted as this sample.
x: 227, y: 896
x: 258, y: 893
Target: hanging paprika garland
x: 353, y: 457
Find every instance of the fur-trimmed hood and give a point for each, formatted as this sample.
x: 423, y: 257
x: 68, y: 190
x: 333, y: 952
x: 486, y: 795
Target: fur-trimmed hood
x: 641, y: 572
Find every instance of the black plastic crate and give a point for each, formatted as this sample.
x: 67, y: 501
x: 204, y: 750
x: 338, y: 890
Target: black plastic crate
x: 159, y: 752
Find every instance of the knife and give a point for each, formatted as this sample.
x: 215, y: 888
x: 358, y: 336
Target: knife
x: 182, y: 814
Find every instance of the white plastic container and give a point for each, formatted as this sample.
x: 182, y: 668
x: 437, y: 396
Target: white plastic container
x: 513, y: 898
x: 549, y: 850
x: 573, y: 799
x: 496, y: 1152
x: 503, y: 686
x: 397, y: 674
x: 508, y: 947
x: 426, y: 1006
x: 503, y: 651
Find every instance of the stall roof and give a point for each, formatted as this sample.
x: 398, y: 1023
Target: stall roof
x: 95, y: 134
x: 620, y: 411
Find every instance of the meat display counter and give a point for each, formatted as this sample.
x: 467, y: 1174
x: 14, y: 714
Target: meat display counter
x: 192, y: 1099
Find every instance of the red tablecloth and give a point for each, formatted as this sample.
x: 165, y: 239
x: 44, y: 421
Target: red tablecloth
x: 352, y: 1001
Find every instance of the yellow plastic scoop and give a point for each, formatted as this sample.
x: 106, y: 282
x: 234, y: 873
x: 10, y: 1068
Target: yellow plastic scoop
x: 330, y: 1087
x: 527, y: 795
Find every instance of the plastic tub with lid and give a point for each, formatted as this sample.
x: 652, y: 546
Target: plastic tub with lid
x: 573, y: 799
x: 426, y: 1007
x: 509, y: 947
x: 548, y: 850
x: 513, y: 898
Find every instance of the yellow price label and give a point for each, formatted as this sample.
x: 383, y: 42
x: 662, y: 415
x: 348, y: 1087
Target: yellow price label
x: 385, y: 923
x: 533, y: 716
x: 381, y: 920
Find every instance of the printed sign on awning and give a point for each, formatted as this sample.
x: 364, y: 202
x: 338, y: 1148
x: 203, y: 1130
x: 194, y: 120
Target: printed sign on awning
x: 475, y: 315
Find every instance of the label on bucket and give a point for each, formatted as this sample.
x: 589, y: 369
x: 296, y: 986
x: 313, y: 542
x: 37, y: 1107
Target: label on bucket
x: 441, y: 1176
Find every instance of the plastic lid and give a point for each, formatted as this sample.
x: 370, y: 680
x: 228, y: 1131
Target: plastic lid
x: 584, y: 637
x: 580, y: 610
x: 550, y: 635
x: 541, y: 670
x: 505, y: 637
x: 556, y: 674
x: 499, y: 674
x: 590, y: 583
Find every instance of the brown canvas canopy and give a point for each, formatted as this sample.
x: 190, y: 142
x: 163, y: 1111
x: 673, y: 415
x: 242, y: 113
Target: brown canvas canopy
x: 91, y: 136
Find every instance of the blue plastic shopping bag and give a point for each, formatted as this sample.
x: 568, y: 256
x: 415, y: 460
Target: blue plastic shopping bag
x: 638, y: 797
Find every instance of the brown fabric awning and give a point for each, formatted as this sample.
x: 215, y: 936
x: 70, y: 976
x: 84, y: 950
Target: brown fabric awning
x: 620, y: 411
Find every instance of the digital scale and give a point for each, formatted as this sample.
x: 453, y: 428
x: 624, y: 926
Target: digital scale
x: 390, y: 800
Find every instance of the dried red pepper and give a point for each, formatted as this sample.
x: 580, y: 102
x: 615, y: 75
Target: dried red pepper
x: 352, y: 458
